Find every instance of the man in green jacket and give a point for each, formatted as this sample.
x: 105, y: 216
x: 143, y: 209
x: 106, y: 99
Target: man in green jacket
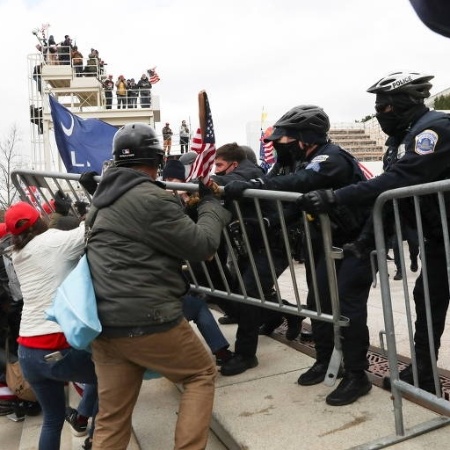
x: 139, y: 238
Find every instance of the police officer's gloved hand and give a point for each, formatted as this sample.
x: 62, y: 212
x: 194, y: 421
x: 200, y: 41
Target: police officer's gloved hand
x: 88, y: 182
x: 235, y: 189
x: 62, y: 203
x: 204, y: 192
x: 321, y: 201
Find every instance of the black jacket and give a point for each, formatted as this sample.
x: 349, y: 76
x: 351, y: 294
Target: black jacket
x: 422, y: 156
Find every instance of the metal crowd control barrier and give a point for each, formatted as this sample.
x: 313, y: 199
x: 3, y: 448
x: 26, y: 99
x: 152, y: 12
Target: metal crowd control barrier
x: 392, y: 200
x: 39, y: 187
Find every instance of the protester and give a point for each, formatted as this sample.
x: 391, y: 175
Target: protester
x: 232, y: 164
x: 42, y: 258
x: 194, y: 307
x: 420, y: 138
x: 141, y: 235
x: 300, y: 139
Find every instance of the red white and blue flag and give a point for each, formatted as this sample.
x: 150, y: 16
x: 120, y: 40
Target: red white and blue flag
x: 266, y: 150
x: 203, y: 143
x: 153, y: 76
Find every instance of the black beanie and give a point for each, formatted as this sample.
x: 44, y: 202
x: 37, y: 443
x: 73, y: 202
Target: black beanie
x: 174, y: 169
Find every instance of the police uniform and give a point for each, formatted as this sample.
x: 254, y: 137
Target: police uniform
x: 329, y: 166
x: 421, y: 156
x: 250, y: 317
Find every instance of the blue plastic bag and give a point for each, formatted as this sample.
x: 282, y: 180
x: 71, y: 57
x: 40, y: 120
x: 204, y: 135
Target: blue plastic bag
x: 75, y: 308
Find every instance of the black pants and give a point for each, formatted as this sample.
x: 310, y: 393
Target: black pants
x: 184, y: 141
x: 251, y: 317
x: 439, y: 300
x: 354, y: 280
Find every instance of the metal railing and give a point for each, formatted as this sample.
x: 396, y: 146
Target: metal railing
x: 40, y: 187
x: 391, y: 199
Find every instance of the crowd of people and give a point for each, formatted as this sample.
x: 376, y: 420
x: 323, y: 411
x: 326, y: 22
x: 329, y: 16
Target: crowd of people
x: 66, y: 52
x: 143, y: 298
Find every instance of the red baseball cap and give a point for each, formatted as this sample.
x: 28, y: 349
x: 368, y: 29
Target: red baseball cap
x: 17, y: 212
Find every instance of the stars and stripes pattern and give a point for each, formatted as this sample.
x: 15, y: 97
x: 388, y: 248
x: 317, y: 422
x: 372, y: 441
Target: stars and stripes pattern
x: 153, y: 76
x: 266, y: 150
x: 206, y: 152
x: 366, y: 172
x: 203, y: 143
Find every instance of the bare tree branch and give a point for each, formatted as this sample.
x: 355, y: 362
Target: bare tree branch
x: 9, y: 161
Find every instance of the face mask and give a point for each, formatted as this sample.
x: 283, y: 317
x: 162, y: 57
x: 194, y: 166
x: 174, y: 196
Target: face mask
x: 389, y: 122
x: 223, y: 172
x: 288, y: 153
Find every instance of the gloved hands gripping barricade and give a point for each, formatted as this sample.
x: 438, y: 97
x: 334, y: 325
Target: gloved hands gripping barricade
x: 62, y: 203
x: 321, y: 201
x: 235, y: 189
x: 88, y: 182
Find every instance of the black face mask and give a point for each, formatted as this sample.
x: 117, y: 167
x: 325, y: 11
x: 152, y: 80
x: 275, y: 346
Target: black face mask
x: 389, y: 122
x: 395, y: 123
x: 223, y: 172
x: 288, y: 154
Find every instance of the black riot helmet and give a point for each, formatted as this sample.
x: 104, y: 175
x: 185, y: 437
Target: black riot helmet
x: 137, y: 143
x: 307, y: 123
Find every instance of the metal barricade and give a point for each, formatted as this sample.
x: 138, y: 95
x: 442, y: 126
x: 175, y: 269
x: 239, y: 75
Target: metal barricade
x: 392, y: 201
x: 39, y: 187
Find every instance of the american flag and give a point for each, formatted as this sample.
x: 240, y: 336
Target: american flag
x: 266, y: 150
x: 154, y: 77
x: 203, y: 143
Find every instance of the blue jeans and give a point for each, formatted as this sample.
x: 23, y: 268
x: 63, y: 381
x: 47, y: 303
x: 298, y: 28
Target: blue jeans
x: 196, y: 309
x: 88, y: 406
x: 49, y: 392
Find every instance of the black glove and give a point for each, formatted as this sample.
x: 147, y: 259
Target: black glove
x: 81, y: 208
x: 62, y: 203
x: 235, y: 189
x: 204, y: 192
x: 88, y: 182
x: 321, y: 201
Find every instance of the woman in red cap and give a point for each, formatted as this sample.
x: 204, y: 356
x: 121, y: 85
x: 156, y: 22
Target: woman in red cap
x: 42, y: 258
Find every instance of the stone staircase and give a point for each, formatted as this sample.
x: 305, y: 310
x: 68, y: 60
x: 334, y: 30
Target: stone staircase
x: 358, y: 143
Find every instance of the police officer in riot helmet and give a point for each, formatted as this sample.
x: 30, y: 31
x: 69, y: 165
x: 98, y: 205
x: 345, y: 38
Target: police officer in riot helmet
x: 308, y: 160
x: 419, y: 145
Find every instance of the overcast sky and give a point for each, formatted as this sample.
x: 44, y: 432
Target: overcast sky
x: 247, y: 54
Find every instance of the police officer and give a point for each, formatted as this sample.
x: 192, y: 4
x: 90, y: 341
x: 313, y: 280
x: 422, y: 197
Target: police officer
x: 300, y: 139
x: 233, y: 165
x: 418, y: 146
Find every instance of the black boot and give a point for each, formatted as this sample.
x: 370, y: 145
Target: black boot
x: 238, y: 364
x: 352, y: 386
x: 314, y: 375
x: 270, y: 325
x: 426, y: 380
x: 294, y: 327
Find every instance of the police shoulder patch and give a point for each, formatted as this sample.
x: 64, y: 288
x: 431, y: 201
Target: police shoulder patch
x: 426, y: 142
x: 320, y: 158
x: 315, y: 163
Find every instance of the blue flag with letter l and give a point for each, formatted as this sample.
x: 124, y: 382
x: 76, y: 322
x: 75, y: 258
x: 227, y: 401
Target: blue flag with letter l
x: 84, y: 144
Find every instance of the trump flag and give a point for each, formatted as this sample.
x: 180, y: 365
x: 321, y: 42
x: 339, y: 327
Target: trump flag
x: 83, y: 144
